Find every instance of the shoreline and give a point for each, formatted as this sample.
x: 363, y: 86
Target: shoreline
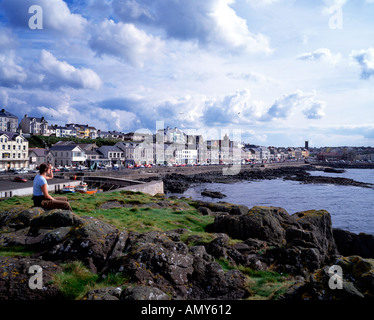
x: 180, y: 182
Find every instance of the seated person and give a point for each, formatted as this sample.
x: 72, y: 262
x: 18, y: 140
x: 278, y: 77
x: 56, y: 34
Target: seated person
x: 41, y: 196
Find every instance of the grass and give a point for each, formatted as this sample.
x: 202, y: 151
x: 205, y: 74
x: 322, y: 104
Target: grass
x: 262, y: 284
x: 14, y: 251
x: 76, y: 280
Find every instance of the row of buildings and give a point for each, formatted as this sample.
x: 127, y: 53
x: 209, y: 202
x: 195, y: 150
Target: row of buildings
x: 168, y: 146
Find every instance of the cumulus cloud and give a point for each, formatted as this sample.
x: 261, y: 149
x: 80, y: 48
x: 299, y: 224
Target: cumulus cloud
x: 56, y: 16
x: 4, y: 98
x: 60, y: 73
x: 124, y: 41
x: 210, y: 22
x: 11, y: 73
x: 7, y: 39
x: 365, y: 59
x: 237, y: 108
x: 322, y: 54
x: 287, y: 104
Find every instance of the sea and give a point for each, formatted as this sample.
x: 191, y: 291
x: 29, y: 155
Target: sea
x: 351, y: 208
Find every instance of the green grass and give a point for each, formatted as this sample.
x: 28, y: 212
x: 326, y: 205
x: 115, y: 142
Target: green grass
x: 262, y: 284
x: 76, y: 280
x: 14, y: 251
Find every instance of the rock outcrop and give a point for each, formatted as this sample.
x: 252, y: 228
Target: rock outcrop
x: 159, y: 266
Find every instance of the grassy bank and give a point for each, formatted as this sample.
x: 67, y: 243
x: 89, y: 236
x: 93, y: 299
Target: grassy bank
x: 138, y: 212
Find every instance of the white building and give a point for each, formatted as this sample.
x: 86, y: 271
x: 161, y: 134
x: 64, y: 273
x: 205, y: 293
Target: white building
x: 186, y: 156
x: 14, y: 150
x: 68, y: 155
x: 33, y: 125
x: 8, y: 121
x: 137, y: 153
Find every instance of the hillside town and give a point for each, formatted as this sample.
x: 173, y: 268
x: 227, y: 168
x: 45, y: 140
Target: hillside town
x: 167, y: 147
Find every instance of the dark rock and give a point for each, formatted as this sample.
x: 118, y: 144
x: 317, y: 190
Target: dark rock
x: 19, y: 218
x: 110, y: 293
x: 349, y: 243
x: 263, y: 223
x: 15, y: 277
x: 357, y: 282
x: 91, y: 241
x: 333, y: 170
x: 205, y: 211
x: 317, y: 233
x: 55, y: 219
x: 213, y: 194
x: 143, y: 293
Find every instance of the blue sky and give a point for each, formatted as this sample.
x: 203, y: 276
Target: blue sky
x: 279, y: 72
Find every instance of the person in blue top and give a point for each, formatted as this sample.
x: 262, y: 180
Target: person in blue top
x: 41, y: 196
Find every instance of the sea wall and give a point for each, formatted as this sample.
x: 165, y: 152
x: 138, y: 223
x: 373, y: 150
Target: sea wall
x: 151, y: 188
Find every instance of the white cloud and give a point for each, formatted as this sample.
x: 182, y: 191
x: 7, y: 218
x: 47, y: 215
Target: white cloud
x: 339, y: 3
x: 365, y: 58
x: 4, y: 98
x: 125, y: 41
x: 56, y: 16
x: 7, y: 39
x: 322, y: 54
x: 287, y: 104
x: 262, y: 3
x: 210, y: 22
x: 232, y: 31
x: 237, y: 108
x: 11, y: 74
x: 60, y: 73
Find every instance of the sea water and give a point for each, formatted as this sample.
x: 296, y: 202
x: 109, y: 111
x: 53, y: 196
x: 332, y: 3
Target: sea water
x: 351, y: 208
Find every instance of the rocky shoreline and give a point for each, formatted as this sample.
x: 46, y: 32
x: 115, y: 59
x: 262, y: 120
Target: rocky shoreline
x: 160, y: 266
x: 179, y: 183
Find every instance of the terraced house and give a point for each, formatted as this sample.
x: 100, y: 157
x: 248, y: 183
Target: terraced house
x: 68, y: 155
x: 8, y: 121
x: 14, y: 150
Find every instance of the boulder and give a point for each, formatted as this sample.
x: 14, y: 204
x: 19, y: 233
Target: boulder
x: 60, y: 235
x: 92, y: 241
x: 143, y: 293
x: 155, y: 259
x: 110, y: 293
x: 220, y: 207
x: 318, y: 231
x: 262, y: 223
x: 357, y: 282
x: 213, y: 194
x: 17, y: 218
x: 349, y: 243
x: 15, y: 277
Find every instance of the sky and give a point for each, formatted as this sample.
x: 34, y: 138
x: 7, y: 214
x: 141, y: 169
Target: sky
x: 270, y: 72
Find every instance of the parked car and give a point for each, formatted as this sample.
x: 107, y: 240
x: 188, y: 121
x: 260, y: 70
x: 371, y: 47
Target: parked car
x: 20, y: 179
x: 19, y: 171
